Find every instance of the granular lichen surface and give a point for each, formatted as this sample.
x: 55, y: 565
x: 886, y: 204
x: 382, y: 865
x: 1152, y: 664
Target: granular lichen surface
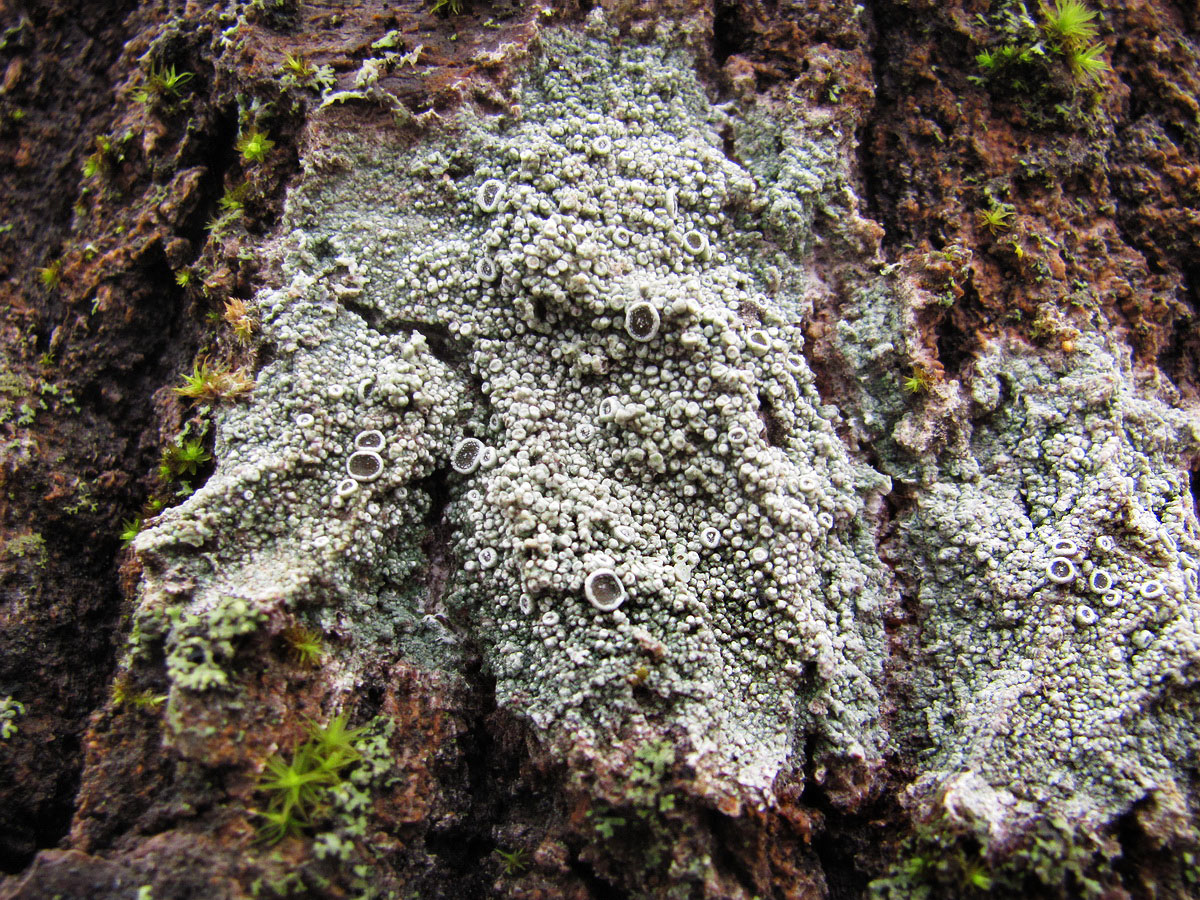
x: 566, y: 315
x: 1059, y: 594
x: 574, y: 332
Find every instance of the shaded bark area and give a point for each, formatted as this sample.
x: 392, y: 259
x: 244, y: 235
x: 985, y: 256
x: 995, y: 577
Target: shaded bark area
x: 112, y: 282
x: 71, y: 471
x: 1099, y: 177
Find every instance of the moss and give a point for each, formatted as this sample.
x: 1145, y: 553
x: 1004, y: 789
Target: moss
x: 321, y: 792
x: 162, y: 87
x: 184, y: 457
x: 239, y: 320
x: 31, y: 546
x: 298, y: 787
x: 943, y: 858
x: 50, y: 274
x: 514, y: 861
x: 1070, y: 24
x: 110, y: 153
x: 305, y: 646
x: 1031, y: 52
x: 123, y: 693
x: 209, y: 382
x: 919, y: 382
x: 254, y: 146
x: 130, y: 529
x: 10, y: 711
x: 996, y: 218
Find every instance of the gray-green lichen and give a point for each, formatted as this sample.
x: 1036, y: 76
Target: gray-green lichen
x: 659, y: 526
x: 582, y: 322
x: 1051, y: 545
x: 1058, y: 556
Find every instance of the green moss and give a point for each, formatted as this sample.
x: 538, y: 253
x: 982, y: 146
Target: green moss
x: 30, y: 547
x: 515, y: 861
x: 234, y: 199
x: 944, y: 859
x: 209, y: 382
x: 996, y: 217
x: 919, y: 381
x: 1070, y: 23
x: 50, y: 274
x: 305, y: 646
x: 1085, y: 62
x: 322, y: 788
x: 10, y: 711
x: 183, y: 458
x: 162, y: 86
x: 130, y: 529
x: 254, y: 146
x: 296, y: 787
x: 123, y: 694
x: 1030, y: 52
x: 108, y: 155
x: 299, y: 73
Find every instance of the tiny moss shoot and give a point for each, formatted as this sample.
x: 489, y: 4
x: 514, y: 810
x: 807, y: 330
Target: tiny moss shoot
x: 254, y: 146
x: 209, y: 382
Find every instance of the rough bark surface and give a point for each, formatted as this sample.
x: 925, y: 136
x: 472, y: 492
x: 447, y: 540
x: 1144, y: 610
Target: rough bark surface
x: 999, y: 277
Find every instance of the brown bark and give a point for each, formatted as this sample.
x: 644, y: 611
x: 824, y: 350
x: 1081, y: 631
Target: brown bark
x: 96, y: 327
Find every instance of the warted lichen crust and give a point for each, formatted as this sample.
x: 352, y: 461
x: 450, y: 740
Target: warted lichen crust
x: 1043, y: 689
x: 611, y: 308
x: 1058, y: 600
x: 1050, y: 545
x: 285, y: 522
x: 478, y: 287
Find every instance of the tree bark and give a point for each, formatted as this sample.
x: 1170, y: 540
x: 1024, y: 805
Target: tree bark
x: 905, y: 606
